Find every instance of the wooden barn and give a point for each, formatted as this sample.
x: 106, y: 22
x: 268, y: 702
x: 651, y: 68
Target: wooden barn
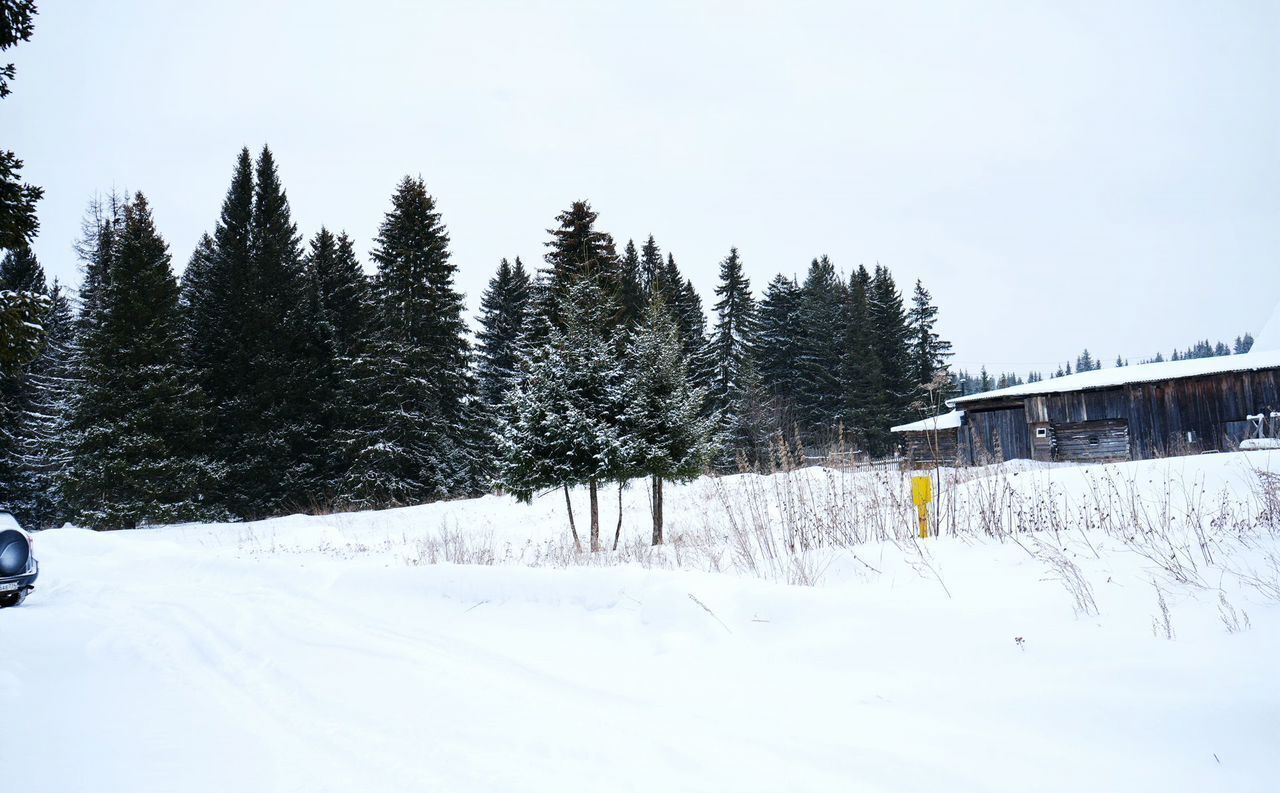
x: 931, y: 441
x: 1125, y: 413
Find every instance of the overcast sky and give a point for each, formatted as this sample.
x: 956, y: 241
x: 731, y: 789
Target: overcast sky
x: 1059, y: 175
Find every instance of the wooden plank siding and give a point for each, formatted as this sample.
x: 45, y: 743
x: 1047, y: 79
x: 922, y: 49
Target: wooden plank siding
x: 1105, y: 441
x: 924, y: 448
x: 1159, y: 415
x: 996, y: 435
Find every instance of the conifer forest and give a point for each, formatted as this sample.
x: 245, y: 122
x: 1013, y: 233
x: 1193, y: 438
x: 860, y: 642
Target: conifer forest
x: 275, y: 376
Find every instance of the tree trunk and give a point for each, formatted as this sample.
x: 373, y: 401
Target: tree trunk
x: 593, y: 488
x: 577, y: 544
x: 617, y: 534
x: 657, y: 510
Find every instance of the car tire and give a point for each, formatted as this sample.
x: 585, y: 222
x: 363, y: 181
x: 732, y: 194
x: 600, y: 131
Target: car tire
x: 14, y: 599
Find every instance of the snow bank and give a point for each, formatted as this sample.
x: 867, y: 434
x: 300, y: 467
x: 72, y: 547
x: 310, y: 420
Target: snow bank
x: 325, y: 654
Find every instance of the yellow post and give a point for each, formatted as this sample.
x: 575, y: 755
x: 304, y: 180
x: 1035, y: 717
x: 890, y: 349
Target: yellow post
x: 922, y: 494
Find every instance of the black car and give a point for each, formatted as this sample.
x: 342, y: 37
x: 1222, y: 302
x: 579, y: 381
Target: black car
x: 18, y: 565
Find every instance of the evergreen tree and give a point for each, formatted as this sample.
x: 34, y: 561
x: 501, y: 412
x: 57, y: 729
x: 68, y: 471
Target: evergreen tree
x: 822, y: 323
x: 504, y: 312
x: 928, y: 351
x: 418, y: 434
x: 563, y: 420
x: 653, y: 272
x: 576, y: 250
x: 22, y: 281
x: 345, y: 299
x: 889, y: 321
x: 18, y: 222
x: 135, y: 416
x: 1085, y: 363
x: 779, y: 347
x: 862, y: 379
x: 631, y: 295
x: 733, y: 349
x: 665, y: 434
x: 39, y: 448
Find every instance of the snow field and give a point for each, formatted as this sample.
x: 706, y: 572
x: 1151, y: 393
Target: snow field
x: 330, y: 653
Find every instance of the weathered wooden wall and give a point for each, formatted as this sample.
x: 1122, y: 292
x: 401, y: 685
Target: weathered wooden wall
x: 1000, y: 434
x: 1105, y: 441
x: 928, y: 448
x: 1159, y: 416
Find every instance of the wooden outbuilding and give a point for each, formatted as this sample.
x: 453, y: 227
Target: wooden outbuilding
x: 931, y: 441
x: 1125, y: 413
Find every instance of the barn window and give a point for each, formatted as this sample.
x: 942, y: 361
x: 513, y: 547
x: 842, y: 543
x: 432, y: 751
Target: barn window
x: 1042, y: 432
x: 1093, y: 440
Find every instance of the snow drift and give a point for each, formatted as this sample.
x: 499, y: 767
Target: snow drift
x: 1105, y: 628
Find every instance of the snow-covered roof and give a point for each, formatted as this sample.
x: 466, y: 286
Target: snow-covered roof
x: 1269, y: 339
x: 947, y: 421
x: 1141, y: 373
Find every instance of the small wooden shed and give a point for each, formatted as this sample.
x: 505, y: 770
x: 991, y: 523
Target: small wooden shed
x: 931, y: 441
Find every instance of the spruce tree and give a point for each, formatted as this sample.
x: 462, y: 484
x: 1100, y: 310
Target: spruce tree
x: 733, y: 349
x: 418, y: 435
x: 665, y: 432
x: 653, y: 271
x: 42, y: 437
x: 631, y: 296
x: 564, y: 419
x: 779, y: 348
x: 345, y: 298
x: 890, y: 337
x: 504, y: 311
x: 820, y: 352
x: 861, y: 376
x: 576, y: 250
x: 18, y: 221
x: 928, y: 351
x: 280, y: 452
x: 1084, y: 362
x: 136, y: 415
x: 24, y: 292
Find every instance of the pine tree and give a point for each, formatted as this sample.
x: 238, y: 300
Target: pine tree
x: 136, y: 415
x: 1084, y: 362
x: 665, y: 433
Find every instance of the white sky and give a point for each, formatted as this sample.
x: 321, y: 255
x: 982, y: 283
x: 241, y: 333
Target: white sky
x: 1058, y: 174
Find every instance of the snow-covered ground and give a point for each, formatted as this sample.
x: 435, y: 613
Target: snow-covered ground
x: 1074, y: 629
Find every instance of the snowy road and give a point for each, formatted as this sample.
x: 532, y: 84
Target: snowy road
x: 148, y: 664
